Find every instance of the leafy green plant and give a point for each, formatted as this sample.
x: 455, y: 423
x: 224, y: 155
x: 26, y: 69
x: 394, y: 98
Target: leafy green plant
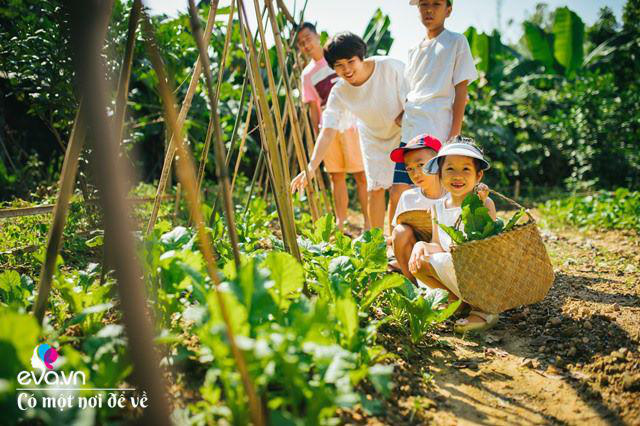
x: 618, y: 209
x: 477, y: 223
x: 422, y: 307
x: 19, y: 334
x: 81, y: 299
x: 16, y: 290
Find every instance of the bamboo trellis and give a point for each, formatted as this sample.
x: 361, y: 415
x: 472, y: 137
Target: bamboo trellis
x: 105, y: 139
x: 184, y: 110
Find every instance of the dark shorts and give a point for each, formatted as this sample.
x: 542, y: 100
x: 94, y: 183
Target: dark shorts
x: 400, y: 174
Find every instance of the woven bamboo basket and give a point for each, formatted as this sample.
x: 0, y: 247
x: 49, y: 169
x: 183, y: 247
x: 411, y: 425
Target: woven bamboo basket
x: 420, y: 221
x: 504, y: 271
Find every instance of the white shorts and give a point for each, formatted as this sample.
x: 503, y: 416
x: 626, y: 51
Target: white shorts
x: 443, y: 265
x: 378, y: 167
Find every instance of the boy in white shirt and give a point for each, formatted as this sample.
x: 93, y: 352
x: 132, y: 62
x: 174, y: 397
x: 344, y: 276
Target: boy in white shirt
x: 428, y: 191
x: 438, y: 73
x: 344, y: 155
x: 374, y: 90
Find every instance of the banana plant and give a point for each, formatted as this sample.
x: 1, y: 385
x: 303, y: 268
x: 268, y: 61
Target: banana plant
x: 377, y: 35
x: 559, y: 52
x: 562, y: 50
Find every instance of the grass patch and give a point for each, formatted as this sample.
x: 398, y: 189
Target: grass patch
x: 618, y: 209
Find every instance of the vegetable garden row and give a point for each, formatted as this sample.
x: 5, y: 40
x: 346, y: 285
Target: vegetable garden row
x: 262, y: 342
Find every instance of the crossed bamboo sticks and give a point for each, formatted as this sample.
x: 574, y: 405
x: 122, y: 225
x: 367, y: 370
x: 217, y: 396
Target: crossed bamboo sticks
x: 111, y: 183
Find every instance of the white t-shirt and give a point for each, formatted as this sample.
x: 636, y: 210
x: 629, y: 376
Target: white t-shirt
x: 376, y: 104
x: 435, y: 67
x: 414, y: 199
x: 317, y: 81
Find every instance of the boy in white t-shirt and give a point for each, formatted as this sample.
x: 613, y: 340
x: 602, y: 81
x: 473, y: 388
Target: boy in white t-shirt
x: 438, y: 73
x: 344, y: 156
x: 428, y: 191
x: 372, y: 89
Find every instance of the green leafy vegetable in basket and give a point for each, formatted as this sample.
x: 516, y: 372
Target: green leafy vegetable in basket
x: 478, y: 225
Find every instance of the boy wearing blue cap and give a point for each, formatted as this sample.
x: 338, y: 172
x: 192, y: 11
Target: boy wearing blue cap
x: 438, y: 72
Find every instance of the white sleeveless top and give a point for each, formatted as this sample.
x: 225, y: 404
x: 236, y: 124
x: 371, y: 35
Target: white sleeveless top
x: 447, y: 217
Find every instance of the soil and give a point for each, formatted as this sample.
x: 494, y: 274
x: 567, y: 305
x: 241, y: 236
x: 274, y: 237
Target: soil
x: 571, y: 359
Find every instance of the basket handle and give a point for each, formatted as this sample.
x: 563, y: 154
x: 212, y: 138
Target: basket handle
x: 505, y: 198
x: 512, y: 202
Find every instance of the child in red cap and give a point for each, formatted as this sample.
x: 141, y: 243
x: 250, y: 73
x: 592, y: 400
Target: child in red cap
x: 427, y: 191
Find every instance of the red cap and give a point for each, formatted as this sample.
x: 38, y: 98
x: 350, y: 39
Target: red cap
x: 419, y: 142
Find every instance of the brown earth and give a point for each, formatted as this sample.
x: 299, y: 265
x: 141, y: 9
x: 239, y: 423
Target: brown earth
x: 571, y: 359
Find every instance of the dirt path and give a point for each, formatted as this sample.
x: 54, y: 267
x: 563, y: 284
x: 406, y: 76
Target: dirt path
x: 572, y: 359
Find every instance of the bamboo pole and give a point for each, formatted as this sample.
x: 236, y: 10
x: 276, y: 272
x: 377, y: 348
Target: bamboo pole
x: 222, y: 173
x: 236, y: 124
x: 245, y: 134
x: 186, y: 105
x: 110, y: 176
x: 285, y: 12
x: 295, y: 128
x: 60, y: 211
x: 187, y: 176
x: 70, y: 170
x: 253, y: 180
x: 176, y: 205
x: 270, y: 141
x: 273, y: 91
x: 125, y: 69
x: 309, y: 135
x: 121, y: 104
x: 216, y: 97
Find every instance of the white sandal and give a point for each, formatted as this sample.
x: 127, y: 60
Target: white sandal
x: 465, y: 326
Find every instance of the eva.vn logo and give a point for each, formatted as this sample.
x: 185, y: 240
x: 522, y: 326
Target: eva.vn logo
x: 44, y: 355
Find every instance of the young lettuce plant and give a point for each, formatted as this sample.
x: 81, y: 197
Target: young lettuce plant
x: 423, y: 307
x: 477, y: 224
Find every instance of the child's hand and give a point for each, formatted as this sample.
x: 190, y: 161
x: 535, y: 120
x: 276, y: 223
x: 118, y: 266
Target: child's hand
x: 483, y: 191
x: 299, y: 183
x: 419, y: 256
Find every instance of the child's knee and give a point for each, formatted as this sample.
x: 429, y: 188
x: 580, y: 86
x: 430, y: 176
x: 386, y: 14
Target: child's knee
x: 402, y: 234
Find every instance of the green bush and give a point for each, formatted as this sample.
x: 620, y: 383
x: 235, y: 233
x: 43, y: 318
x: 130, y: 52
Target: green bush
x: 608, y: 210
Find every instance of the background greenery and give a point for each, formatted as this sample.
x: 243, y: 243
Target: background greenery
x: 559, y: 109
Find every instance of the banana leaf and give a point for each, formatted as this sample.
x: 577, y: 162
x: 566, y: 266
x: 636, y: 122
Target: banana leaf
x: 568, y: 40
x: 539, y: 45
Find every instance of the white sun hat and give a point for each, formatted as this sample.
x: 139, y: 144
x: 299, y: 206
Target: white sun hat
x: 457, y: 146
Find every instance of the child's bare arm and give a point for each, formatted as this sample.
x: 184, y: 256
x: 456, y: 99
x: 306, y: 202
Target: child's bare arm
x: 483, y: 192
x: 459, y: 104
x: 492, y: 208
x: 435, y: 237
x: 422, y: 250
